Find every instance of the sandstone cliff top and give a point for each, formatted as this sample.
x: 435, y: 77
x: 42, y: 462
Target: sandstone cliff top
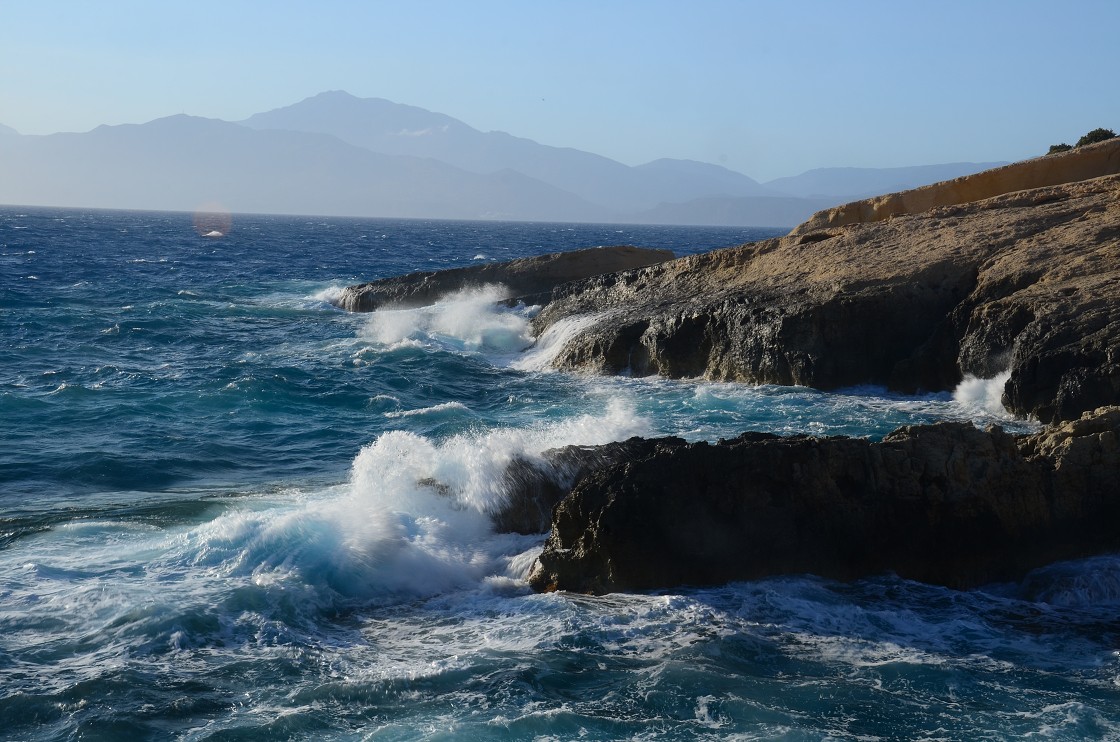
x: 1082, y: 163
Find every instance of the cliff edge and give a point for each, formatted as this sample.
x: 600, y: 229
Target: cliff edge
x: 1082, y: 163
x: 1016, y: 269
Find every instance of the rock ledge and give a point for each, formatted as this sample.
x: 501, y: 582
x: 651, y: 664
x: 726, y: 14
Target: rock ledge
x: 945, y: 503
x: 528, y: 278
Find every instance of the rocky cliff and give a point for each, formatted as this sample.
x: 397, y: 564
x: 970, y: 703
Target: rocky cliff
x: 908, y: 291
x: 1082, y: 163
x: 1027, y: 281
x: 944, y: 503
x: 529, y: 278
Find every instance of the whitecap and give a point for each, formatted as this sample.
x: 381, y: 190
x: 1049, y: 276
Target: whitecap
x: 330, y: 295
x: 433, y: 410
x: 414, y: 519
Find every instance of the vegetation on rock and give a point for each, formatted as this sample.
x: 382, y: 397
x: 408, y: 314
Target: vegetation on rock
x: 1096, y: 135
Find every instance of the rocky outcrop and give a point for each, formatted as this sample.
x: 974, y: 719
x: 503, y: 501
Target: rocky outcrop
x: 1082, y: 163
x: 1027, y: 281
x: 946, y: 503
x: 528, y: 278
x: 534, y: 486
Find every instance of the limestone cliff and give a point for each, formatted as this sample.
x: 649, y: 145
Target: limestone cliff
x: 1027, y: 281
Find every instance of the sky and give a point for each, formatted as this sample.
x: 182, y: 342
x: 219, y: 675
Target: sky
x: 769, y: 89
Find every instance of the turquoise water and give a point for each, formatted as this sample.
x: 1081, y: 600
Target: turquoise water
x: 211, y: 525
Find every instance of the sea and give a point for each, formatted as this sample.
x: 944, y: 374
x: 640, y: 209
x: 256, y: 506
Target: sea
x: 214, y: 522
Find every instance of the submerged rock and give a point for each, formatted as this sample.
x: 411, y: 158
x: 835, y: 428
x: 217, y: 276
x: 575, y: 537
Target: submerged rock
x: 528, y: 278
x: 945, y: 503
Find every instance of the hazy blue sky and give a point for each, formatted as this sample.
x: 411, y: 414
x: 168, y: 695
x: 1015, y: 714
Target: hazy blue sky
x: 769, y: 89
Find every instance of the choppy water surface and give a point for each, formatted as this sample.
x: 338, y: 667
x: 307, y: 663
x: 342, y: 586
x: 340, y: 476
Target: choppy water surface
x: 212, y: 522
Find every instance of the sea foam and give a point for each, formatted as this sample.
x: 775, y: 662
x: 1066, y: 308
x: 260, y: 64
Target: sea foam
x: 414, y: 519
x: 469, y: 320
x: 983, y: 394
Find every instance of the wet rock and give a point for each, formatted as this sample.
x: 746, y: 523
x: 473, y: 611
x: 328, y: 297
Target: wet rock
x: 946, y: 504
x: 529, y: 278
x: 534, y: 486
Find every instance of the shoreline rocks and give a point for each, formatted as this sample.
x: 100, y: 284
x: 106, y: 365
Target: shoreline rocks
x: 529, y: 279
x: 1011, y: 270
x: 945, y: 504
x: 1027, y: 282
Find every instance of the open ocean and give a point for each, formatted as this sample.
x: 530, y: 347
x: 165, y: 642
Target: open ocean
x: 211, y: 526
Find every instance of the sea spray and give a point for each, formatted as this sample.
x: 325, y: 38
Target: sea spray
x: 552, y: 342
x: 468, y: 470
x: 470, y: 320
x: 983, y: 394
x: 414, y: 520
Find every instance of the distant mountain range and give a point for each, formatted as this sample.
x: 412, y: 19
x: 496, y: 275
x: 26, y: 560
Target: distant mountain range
x: 338, y: 155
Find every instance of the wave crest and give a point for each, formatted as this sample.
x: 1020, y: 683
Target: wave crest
x: 471, y: 320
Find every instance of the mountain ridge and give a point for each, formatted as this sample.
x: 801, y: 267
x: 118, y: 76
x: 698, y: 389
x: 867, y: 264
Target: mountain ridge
x: 392, y: 128
x: 128, y: 166
x: 334, y: 154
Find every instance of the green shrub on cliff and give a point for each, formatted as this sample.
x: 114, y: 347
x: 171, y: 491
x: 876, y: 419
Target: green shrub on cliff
x: 1096, y: 135
x: 1063, y: 147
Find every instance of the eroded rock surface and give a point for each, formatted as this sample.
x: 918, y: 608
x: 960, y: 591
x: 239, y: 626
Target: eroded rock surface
x: 1028, y: 281
x: 945, y: 503
x: 529, y: 278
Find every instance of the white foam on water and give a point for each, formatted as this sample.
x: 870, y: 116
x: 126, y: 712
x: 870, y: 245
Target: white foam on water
x: 470, y: 320
x: 414, y: 519
x: 469, y: 468
x: 986, y: 395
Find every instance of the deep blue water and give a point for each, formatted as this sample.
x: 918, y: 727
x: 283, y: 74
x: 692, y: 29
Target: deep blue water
x: 212, y: 522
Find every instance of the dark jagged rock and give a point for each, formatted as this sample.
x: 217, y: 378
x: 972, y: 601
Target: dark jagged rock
x: 534, y: 486
x: 945, y: 503
x: 1028, y: 281
x: 529, y: 278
